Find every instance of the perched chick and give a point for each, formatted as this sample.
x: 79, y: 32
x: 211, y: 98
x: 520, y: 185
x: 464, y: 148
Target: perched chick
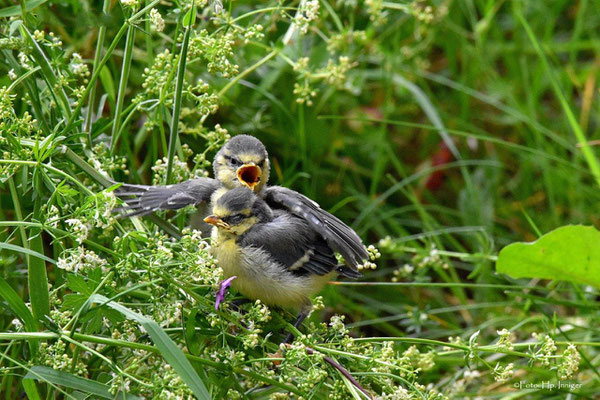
x: 243, y: 162
x: 277, y: 257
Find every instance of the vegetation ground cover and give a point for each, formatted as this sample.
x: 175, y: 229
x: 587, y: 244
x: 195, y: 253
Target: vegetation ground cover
x: 442, y: 131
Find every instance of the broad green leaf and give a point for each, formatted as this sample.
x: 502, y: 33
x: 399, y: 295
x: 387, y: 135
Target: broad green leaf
x: 569, y: 253
x: 17, y: 305
x: 168, y: 349
x: 12, y: 11
x: 66, y: 379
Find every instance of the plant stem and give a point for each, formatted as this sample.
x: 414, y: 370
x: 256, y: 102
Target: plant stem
x: 178, y: 97
x: 125, y: 67
x: 97, y: 59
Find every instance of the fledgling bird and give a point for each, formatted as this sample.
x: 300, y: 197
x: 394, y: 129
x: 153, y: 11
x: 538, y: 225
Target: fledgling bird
x: 276, y: 256
x: 243, y: 162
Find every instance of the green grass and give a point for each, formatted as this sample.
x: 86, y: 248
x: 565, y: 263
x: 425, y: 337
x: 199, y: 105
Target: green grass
x: 441, y: 135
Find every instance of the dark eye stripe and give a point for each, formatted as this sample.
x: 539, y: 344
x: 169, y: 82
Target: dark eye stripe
x: 234, y: 219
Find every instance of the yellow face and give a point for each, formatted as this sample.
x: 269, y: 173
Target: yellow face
x: 244, y: 169
x: 233, y: 223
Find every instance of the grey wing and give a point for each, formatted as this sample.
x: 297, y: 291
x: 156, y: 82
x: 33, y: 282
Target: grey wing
x: 292, y: 243
x: 339, y: 236
x: 142, y: 199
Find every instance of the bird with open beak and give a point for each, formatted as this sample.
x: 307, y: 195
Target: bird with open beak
x: 243, y: 162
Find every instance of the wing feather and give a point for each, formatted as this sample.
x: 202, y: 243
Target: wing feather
x: 339, y: 236
x: 292, y: 243
x: 142, y: 200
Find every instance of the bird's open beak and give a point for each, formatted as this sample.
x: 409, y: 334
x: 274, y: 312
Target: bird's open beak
x: 249, y: 175
x: 216, y: 221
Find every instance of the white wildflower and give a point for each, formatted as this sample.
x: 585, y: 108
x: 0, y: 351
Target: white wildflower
x: 570, y: 363
x: 158, y: 23
x: 80, y: 229
x: 130, y: 3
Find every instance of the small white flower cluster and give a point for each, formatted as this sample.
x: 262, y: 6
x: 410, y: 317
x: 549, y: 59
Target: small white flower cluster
x: 547, y: 348
x: 308, y: 12
x: 158, y: 23
x: 254, y: 32
x: 251, y: 339
x: 40, y: 37
x: 420, y: 361
x: 180, y: 171
x: 53, y: 216
x: 337, y: 324
x: 304, y: 93
x: 24, y: 60
x: 374, y: 254
x: 130, y: 3
x: 336, y: 72
x: 12, y: 75
x: 506, y: 339
x: 78, y: 67
x: 569, y: 363
x: 502, y: 373
x: 79, y: 228
x: 73, y: 260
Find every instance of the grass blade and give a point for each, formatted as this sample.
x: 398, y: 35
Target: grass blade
x: 37, y: 277
x: 169, y: 350
x: 125, y: 68
x: 189, y: 18
x: 588, y: 154
x: 29, y: 252
x: 47, y: 71
x: 17, y: 305
x: 71, y: 381
x: 97, y: 59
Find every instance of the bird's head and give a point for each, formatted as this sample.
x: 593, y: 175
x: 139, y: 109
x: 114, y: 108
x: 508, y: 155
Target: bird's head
x: 243, y: 161
x: 238, y: 210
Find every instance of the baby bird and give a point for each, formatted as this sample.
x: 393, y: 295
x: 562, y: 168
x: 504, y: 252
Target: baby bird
x: 276, y: 256
x: 243, y: 162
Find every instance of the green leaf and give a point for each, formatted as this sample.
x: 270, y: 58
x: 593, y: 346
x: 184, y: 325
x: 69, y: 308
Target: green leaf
x: 17, y: 305
x: 47, y: 72
x: 108, y: 83
x: 189, y: 19
x: 168, y: 349
x: 569, y: 253
x: 20, y: 249
x: 12, y: 11
x: 66, y: 379
x: 37, y: 278
x: 31, y: 389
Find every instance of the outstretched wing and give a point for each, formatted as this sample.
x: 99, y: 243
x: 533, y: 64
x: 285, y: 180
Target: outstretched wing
x: 339, y: 236
x: 142, y: 199
x: 294, y: 244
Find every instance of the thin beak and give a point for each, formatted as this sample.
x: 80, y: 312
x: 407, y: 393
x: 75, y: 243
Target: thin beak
x: 216, y: 221
x: 249, y: 175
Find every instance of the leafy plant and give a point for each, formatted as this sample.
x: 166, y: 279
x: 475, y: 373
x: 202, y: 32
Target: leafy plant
x: 441, y: 130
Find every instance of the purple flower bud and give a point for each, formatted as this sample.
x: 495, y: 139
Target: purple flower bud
x: 223, y: 286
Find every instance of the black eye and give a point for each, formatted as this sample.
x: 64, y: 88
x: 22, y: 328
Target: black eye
x: 232, y: 160
x: 234, y: 219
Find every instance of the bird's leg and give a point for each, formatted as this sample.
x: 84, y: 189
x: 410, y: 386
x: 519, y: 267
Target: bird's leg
x: 301, y: 317
x: 237, y: 304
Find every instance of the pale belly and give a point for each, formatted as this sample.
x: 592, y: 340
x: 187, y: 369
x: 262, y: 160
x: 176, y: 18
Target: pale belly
x: 259, y: 278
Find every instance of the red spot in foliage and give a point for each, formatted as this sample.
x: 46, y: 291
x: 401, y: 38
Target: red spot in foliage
x: 441, y: 157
